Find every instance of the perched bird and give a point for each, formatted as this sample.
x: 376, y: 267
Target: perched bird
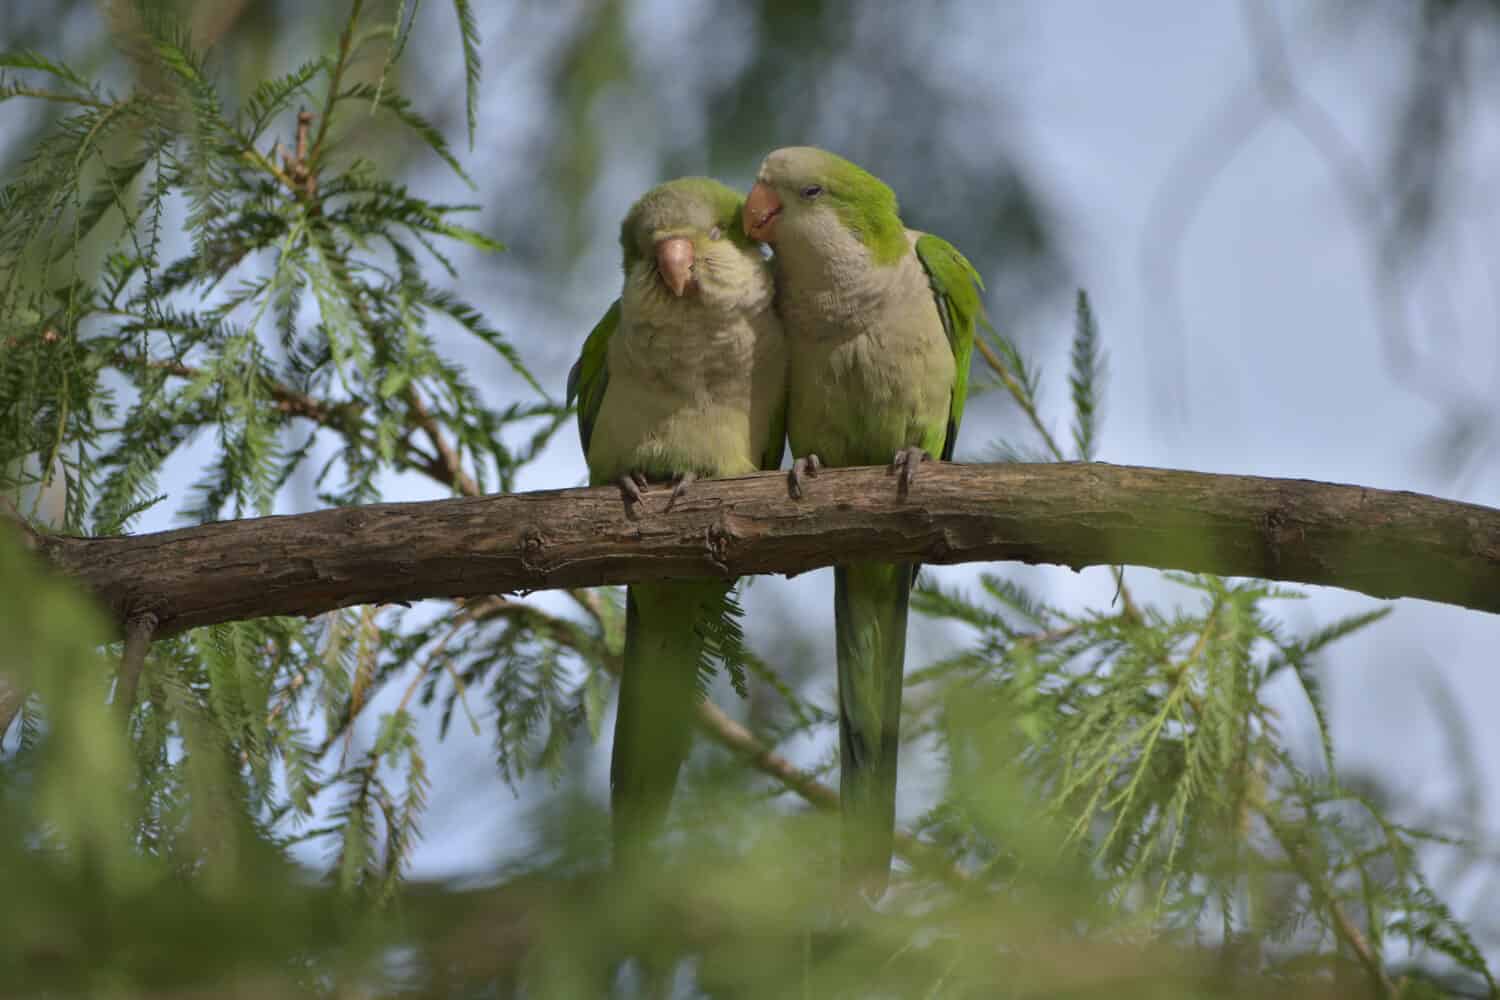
x: 880, y: 323
x: 684, y: 377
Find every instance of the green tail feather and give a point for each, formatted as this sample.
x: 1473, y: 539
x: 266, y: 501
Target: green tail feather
x: 870, y: 603
x: 660, y: 687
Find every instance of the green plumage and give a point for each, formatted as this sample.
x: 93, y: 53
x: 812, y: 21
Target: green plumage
x: 669, y: 386
x: 956, y: 287
x: 658, y: 211
x: 589, y: 376
x: 866, y: 206
x: 870, y: 602
x: 881, y: 320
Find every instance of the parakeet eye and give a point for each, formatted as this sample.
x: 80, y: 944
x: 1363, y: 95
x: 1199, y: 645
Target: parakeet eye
x: 715, y: 233
x: 812, y: 191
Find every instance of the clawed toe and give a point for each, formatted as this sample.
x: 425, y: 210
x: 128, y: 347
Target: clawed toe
x: 680, y: 488
x: 905, y: 465
x: 806, y: 467
x: 631, y: 487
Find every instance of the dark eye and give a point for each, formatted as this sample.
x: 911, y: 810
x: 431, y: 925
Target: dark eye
x: 812, y: 191
x: 715, y: 233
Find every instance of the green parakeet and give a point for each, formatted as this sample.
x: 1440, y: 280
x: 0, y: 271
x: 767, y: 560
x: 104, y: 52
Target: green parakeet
x: 880, y: 322
x: 684, y: 377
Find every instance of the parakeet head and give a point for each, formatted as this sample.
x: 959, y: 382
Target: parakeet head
x: 802, y: 192
x: 686, y: 239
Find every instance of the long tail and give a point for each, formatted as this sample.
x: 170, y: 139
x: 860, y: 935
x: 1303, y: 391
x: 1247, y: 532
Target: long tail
x: 659, y: 691
x: 869, y: 602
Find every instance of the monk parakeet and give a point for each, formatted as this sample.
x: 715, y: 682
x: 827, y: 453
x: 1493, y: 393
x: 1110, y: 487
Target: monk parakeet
x: 684, y: 377
x: 880, y: 322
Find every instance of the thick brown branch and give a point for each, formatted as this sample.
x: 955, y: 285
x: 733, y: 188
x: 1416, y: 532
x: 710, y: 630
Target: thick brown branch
x: 1386, y: 544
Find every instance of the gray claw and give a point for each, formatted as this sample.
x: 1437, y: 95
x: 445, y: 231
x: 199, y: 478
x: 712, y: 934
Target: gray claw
x: 680, y: 488
x: 630, y: 490
x: 806, y: 467
x: 905, y: 463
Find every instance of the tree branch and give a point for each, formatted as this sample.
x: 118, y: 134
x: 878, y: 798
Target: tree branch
x: 335, y: 416
x: 717, y: 725
x: 1386, y: 544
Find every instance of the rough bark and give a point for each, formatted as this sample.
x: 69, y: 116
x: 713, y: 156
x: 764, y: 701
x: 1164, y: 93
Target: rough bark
x: 1382, y: 543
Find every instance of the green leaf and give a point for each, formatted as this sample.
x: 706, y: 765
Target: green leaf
x: 596, y: 691
x: 395, y: 380
x: 390, y: 101
x: 32, y: 60
x: 272, y: 97
x: 468, y: 26
x: 1086, y: 379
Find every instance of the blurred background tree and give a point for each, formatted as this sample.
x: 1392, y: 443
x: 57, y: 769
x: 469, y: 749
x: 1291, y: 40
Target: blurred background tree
x: 200, y: 321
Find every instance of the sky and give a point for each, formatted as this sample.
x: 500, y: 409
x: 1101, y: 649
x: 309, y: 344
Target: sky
x: 1243, y: 336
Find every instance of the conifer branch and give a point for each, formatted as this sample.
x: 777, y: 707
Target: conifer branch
x: 288, y: 400
x: 1385, y: 544
x: 335, y: 80
x: 448, y: 469
x: 716, y: 724
x: 1344, y: 927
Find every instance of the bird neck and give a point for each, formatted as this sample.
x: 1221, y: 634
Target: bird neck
x: 831, y: 277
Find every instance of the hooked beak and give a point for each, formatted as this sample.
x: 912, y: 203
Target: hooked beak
x: 762, y: 208
x: 674, y: 259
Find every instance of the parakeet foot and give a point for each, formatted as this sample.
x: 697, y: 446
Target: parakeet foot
x: 631, y: 486
x: 905, y: 465
x: 680, y: 488
x: 806, y: 467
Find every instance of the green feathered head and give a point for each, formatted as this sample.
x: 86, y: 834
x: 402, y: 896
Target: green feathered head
x: 689, y: 235
x: 801, y: 189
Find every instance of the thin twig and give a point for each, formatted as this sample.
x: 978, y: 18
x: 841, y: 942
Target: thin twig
x: 288, y: 400
x: 457, y: 477
x: 1024, y: 400
x: 335, y: 81
x: 1020, y: 395
x: 1344, y: 926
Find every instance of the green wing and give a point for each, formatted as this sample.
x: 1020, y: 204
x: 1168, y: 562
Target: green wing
x: 590, y: 374
x: 956, y: 286
x: 770, y: 460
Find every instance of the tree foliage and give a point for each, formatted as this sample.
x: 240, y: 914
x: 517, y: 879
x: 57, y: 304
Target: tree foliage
x: 1121, y: 808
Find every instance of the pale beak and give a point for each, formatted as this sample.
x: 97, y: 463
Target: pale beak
x: 762, y: 208
x: 674, y: 259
